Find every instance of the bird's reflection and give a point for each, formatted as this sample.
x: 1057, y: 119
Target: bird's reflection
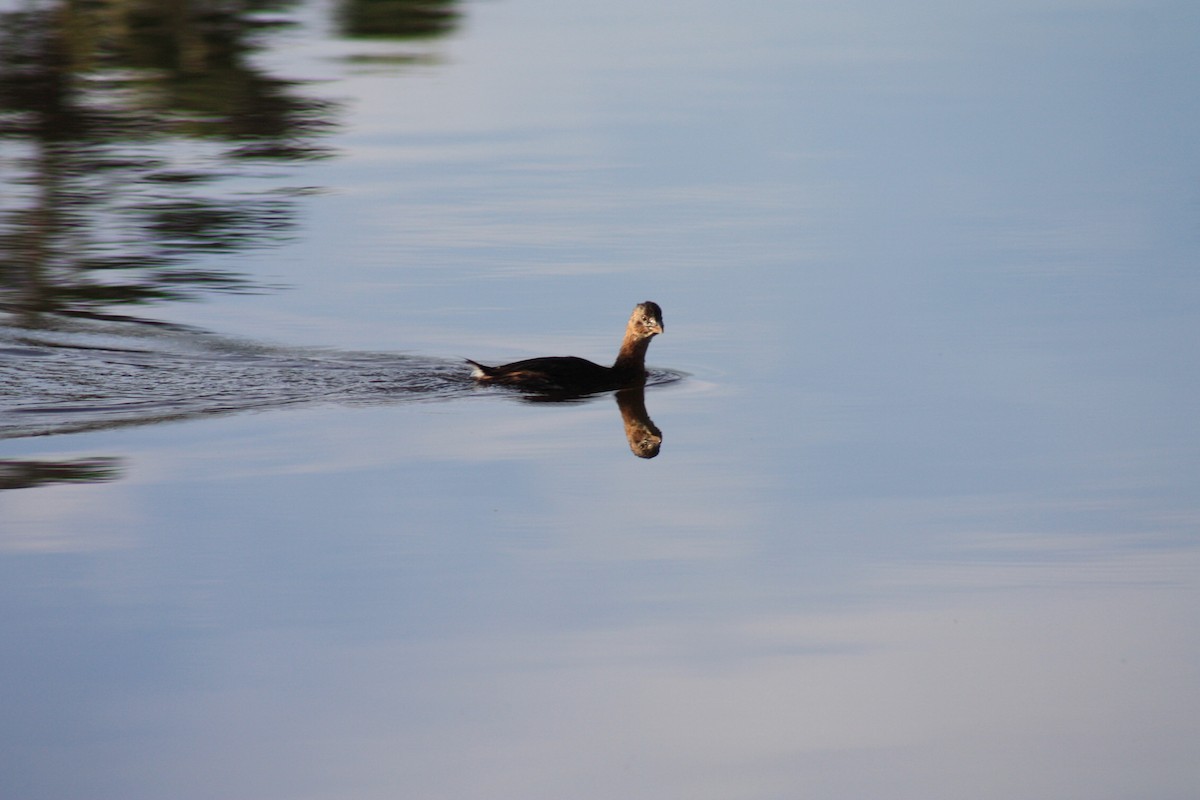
x: 644, y: 437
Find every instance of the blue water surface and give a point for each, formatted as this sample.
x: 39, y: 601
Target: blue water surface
x: 924, y: 520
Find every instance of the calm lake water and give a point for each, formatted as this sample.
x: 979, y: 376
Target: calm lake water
x: 925, y: 521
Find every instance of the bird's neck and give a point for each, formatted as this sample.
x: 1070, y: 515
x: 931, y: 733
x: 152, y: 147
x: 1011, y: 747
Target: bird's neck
x: 632, y: 357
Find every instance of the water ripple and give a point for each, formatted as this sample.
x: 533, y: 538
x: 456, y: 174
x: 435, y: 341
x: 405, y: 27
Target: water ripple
x: 91, y: 375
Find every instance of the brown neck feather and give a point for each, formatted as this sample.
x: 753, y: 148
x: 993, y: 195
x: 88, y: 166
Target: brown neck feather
x: 632, y: 358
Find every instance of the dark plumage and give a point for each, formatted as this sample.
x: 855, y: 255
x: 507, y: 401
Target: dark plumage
x: 573, y: 375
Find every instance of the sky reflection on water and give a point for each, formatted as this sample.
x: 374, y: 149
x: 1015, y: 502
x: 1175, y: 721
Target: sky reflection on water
x: 924, y: 520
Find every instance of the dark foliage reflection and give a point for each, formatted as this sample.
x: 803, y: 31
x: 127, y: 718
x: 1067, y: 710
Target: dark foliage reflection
x: 393, y: 19
x: 118, y: 121
x: 17, y: 474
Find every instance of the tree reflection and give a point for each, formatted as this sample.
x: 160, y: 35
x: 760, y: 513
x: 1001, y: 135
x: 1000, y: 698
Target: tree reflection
x: 393, y: 19
x: 115, y: 117
x: 15, y: 474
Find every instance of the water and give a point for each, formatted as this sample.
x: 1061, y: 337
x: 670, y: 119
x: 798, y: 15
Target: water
x: 923, y: 520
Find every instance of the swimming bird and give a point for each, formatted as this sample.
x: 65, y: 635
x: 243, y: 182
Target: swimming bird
x: 570, y: 375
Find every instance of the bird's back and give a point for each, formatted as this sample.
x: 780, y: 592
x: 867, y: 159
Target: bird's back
x: 551, y: 373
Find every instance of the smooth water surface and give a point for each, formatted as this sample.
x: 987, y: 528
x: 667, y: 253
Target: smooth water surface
x: 923, y: 522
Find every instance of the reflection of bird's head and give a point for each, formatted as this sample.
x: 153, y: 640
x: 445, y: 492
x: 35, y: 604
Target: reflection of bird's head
x: 647, y: 320
x: 644, y: 437
x: 644, y: 443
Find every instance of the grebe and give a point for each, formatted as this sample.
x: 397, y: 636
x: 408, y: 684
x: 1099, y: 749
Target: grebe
x: 572, y: 375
